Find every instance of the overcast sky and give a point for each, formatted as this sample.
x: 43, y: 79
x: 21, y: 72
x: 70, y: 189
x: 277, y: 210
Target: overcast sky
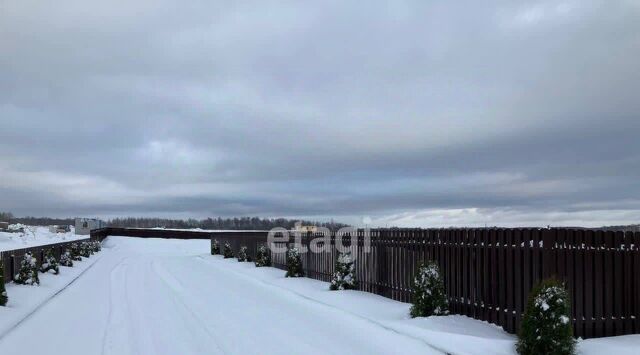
x: 413, y: 113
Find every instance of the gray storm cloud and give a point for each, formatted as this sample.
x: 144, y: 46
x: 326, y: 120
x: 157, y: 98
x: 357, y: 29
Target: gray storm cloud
x: 411, y: 112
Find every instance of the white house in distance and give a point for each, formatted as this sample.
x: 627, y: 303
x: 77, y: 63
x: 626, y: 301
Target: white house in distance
x: 85, y: 225
x: 306, y: 229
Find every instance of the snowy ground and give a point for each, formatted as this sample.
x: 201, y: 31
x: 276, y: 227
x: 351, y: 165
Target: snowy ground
x: 34, y: 236
x: 24, y: 299
x: 151, y: 296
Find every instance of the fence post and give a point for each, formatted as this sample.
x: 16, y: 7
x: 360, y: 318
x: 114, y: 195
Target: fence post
x: 548, y: 257
x: 13, y: 267
x: 3, y: 259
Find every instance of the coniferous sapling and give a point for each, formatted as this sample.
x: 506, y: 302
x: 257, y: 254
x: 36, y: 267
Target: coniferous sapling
x: 215, y: 247
x: 263, y: 256
x: 75, y: 252
x: 3, y: 291
x: 429, y: 297
x: 28, y: 274
x: 49, y: 264
x: 344, y: 277
x: 85, y: 251
x: 294, y: 263
x: 228, y: 253
x: 242, y: 254
x: 66, y: 259
x: 546, y: 324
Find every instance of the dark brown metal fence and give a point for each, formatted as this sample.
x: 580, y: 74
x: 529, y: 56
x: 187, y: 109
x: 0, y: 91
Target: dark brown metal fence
x: 151, y: 233
x: 11, y: 258
x: 488, y: 273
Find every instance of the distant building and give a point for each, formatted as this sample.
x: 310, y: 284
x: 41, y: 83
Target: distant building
x: 4, y: 226
x: 84, y: 226
x: 306, y: 229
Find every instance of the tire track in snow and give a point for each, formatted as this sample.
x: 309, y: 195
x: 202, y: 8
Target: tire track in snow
x: 201, y: 299
x: 273, y: 332
x: 121, y: 333
x: 178, y: 295
x: 118, y: 318
x: 105, y: 333
x: 137, y: 296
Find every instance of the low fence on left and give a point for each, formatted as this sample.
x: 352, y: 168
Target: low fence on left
x: 11, y: 258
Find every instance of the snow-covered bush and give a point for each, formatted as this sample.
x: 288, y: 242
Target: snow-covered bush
x: 546, y: 324
x: 263, y: 256
x: 66, y: 259
x: 95, y: 246
x: 344, y: 277
x: 49, y: 263
x: 215, y: 247
x: 3, y: 291
x: 227, y: 252
x: 294, y: 263
x: 75, y: 252
x: 28, y: 274
x: 242, y: 254
x: 85, y: 250
x: 429, y: 297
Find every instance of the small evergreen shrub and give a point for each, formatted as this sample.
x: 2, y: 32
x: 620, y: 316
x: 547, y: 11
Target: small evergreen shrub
x: 28, y: 274
x: 49, y: 263
x: 242, y: 254
x: 85, y: 250
x: 546, y: 324
x: 66, y: 259
x: 75, y: 252
x: 227, y: 252
x: 344, y: 277
x: 429, y: 297
x: 263, y: 256
x: 95, y: 246
x: 3, y: 291
x: 215, y: 247
x: 294, y: 263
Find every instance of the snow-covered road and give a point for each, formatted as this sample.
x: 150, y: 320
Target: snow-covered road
x: 149, y: 296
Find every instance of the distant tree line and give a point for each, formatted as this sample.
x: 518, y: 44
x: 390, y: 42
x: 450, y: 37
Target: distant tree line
x: 35, y: 221
x: 629, y: 228
x: 242, y: 223
x: 246, y: 223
